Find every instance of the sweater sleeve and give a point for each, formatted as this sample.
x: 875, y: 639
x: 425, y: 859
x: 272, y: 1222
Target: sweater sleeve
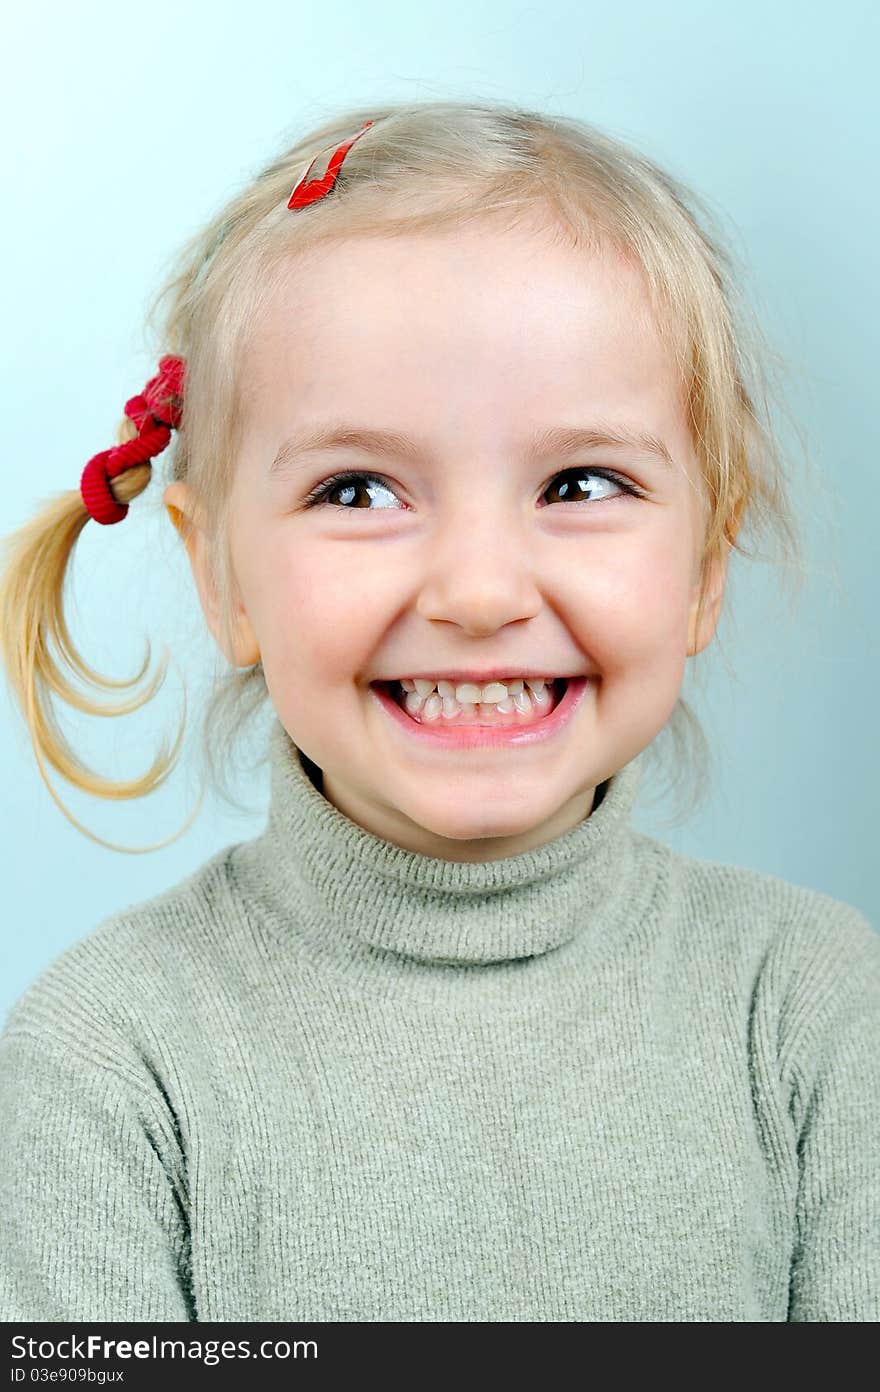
x: 93, y: 1222
x: 833, y: 1067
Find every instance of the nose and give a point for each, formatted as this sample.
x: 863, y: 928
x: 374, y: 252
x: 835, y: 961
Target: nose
x: 479, y: 575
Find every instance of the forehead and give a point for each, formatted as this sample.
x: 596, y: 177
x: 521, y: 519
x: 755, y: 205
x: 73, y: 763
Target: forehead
x: 479, y: 329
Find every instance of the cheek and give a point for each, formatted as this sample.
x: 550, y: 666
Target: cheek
x: 634, y: 603
x: 311, y: 611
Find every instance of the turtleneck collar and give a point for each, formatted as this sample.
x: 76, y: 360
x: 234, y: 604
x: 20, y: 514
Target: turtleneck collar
x: 353, y: 893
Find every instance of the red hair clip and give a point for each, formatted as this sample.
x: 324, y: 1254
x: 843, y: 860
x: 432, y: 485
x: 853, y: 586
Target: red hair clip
x: 304, y: 193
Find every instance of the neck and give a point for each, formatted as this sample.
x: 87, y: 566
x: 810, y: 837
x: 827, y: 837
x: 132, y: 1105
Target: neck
x: 349, y: 895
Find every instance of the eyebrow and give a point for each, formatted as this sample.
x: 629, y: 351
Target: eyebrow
x: 557, y: 440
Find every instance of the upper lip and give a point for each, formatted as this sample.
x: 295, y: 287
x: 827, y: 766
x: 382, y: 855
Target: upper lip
x: 479, y: 678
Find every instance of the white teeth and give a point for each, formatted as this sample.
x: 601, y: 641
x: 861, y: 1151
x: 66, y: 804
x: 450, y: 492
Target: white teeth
x: 431, y: 702
x: 470, y: 693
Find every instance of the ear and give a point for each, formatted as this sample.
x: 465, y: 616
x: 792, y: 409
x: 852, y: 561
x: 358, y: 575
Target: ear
x: 180, y: 504
x: 712, y: 580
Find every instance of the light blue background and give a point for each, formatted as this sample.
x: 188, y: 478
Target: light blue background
x: 127, y: 126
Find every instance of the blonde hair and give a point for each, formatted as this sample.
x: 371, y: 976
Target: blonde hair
x: 420, y: 167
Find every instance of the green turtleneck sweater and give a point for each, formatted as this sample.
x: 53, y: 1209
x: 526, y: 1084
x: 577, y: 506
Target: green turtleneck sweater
x: 325, y: 1078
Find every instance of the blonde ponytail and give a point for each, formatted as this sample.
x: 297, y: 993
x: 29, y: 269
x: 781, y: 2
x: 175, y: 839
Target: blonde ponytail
x: 39, y: 654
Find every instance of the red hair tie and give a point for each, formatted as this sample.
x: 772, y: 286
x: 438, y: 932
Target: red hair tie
x: 155, y: 412
x: 304, y: 193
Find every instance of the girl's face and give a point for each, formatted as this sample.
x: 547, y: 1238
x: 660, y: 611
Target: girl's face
x: 467, y: 552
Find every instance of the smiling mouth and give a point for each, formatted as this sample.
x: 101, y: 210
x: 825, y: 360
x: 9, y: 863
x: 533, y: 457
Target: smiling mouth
x: 523, y: 710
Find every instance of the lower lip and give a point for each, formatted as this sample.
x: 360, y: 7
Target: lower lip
x: 482, y: 736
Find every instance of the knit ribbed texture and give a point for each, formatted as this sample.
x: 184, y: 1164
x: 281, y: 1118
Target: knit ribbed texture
x: 324, y: 1078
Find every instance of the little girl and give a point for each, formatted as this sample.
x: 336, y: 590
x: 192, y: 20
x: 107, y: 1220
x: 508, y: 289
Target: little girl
x: 449, y: 1040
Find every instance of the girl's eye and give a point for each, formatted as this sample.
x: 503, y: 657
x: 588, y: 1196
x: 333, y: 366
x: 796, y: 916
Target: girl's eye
x: 349, y: 485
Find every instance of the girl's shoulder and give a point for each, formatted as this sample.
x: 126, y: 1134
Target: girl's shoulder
x: 796, y: 942
x: 724, y: 891
x: 129, y: 967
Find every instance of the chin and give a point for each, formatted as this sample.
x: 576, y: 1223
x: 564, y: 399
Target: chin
x: 464, y: 828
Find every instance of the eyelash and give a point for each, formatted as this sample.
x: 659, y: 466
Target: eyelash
x: 318, y: 493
